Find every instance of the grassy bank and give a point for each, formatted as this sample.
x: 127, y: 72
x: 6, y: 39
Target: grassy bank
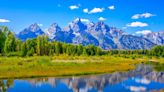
x: 158, y: 64
x: 45, y: 66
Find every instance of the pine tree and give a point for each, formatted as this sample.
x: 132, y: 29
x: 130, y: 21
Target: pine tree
x: 79, y: 50
x: 2, y: 40
x: 10, y: 43
x: 38, y: 45
x: 24, y: 49
x: 58, y: 48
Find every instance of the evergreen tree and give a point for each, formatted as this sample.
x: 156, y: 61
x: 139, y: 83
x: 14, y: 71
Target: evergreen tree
x: 2, y: 40
x: 24, y: 49
x: 79, y: 50
x: 18, y: 45
x: 58, y: 48
x: 31, y: 52
x: 10, y: 43
x: 39, y: 40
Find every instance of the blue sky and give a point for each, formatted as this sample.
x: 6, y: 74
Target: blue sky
x: 133, y: 16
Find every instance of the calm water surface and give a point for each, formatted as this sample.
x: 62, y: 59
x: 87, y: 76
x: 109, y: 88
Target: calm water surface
x: 142, y: 79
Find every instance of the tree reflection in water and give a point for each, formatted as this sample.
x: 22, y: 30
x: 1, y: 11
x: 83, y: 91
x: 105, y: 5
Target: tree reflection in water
x: 4, y: 85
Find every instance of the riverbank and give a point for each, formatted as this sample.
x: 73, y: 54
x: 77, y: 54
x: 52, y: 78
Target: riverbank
x: 55, y: 66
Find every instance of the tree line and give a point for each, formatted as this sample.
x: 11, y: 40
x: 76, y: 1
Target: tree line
x: 157, y: 51
x: 11, y: 46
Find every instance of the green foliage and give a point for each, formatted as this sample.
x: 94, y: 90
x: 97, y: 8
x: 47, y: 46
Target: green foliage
x: 41, y: 46
x: 2, y: 39
x: 11, y: 54
x: 3, y: 35
x: 79, y: 50
x: 19, y: 44
x: 58, y: 48
x: 158, y: 51
x: 10, y: 43
x: 24, y: 49
x: 31, y: 52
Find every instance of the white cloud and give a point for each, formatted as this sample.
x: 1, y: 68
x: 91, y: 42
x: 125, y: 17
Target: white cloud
x: 111, y: 7
x: 74, y: 7
x: 85, y: 10
x: 144, y: 32
x: 4, y: 20
x: 137, y: 24
x: 102, y: 19
x: 144, y: 15
x: 85, y: 20
x: 40, y: 25
x: 94, y: 10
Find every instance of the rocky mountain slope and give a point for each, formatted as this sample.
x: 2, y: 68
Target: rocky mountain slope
x: 155, y: 37
x: 31, y: 32
x: 98, y: 34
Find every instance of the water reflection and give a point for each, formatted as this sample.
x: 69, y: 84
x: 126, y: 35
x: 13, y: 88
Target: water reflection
x: 4, y: 85
x: 142, y: 79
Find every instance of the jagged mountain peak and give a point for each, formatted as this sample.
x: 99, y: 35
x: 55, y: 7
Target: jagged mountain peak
x: 77, y: 25
x: 34, y: 27
x: 54, y: 25
x: 100, y: 23
x: 30, y: 32
x: 99, y: 27
x: 155, y: 37
x: 98, y: 34
x: 52, y: 30
x: 77, y: 20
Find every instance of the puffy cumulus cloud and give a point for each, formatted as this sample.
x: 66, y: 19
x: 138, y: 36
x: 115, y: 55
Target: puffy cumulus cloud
x: 73, y: 7
x: 143, y: 32
x: 94, y: 10
x: 112, y: 7
x: 85, y: 10
x: 144, y: 15
x: 137, y: 24
x: 4, y: 20
x: 102, y: 19
x: 85, y: 20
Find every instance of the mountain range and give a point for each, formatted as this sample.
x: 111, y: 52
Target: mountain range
x: 98, y: 34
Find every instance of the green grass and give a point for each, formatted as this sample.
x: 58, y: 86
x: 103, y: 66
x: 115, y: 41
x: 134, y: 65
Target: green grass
x: 45, y: 66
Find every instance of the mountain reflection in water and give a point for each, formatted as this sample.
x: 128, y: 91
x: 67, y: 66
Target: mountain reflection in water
x: 142, y: 79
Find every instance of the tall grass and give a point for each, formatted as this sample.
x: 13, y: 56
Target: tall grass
x: 63, y: 65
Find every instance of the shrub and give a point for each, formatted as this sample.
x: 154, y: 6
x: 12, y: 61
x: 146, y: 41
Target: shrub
x: 10, y: 54
x: 31, y: 52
